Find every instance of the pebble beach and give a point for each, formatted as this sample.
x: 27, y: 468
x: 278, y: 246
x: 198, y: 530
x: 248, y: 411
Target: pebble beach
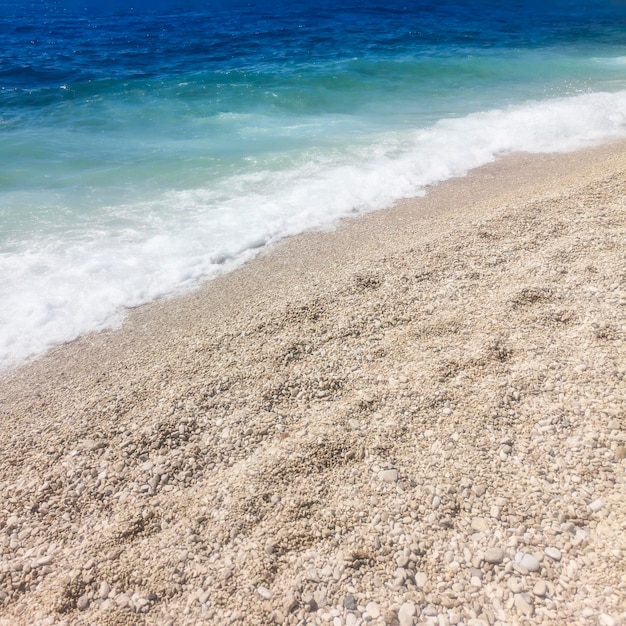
x: 418, y: 417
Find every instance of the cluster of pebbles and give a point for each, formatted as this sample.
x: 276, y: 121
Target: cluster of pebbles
x: 432, y: 432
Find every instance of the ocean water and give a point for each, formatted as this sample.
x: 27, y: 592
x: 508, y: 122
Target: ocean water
x: 145, y: 150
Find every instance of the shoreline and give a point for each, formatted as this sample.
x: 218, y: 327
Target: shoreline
x: 538, y: 171
x: 393, y: 420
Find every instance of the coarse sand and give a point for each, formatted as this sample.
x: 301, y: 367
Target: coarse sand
x: 416, y: 418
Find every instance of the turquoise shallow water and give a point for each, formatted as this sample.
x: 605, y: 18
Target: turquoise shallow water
x: 144, y: 152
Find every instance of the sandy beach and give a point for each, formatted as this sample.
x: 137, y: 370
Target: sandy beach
x: 416, y: 418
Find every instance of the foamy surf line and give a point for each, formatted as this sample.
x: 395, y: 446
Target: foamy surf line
x: 55, y: 289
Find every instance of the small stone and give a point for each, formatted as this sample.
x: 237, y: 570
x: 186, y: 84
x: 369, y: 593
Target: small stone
x: 104, y: 590
x: 597, y: 505
x: 620, y: 453
x: 372, y: 610
x: 92, y: 445
x: 264, y: 592
x: 520, y: 569
x: 388, y: 476
x: 614, y: 425
x: 402, y: 561
x: 320, y: 598
x: 494, y: 555
x: 524, y: 605
x: 309, y: 601
x: 480, y: 490
x: 82, y: 603
x: 528, y: 561
x: 540, y: 588
x: 553, y: 553
x: 480, y: 524
x: 421, y: 579
x: 605, y: 619
x: 290, y: 603
x: 349, y: 603
x: 406, y: 614
x: 122, y: 600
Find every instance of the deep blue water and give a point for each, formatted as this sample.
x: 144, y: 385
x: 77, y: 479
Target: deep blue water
x: 146, y: 149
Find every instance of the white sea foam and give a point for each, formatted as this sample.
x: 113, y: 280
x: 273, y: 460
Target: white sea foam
x: 53, y: 290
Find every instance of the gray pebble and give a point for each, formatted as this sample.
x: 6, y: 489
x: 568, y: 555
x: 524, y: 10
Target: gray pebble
x: 349, y: 603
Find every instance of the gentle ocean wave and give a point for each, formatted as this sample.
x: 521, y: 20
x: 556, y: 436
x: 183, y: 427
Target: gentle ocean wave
x: 144, y: 154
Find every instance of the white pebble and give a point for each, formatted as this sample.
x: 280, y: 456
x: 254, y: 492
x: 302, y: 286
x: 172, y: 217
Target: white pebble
x: 597, y: 505
x: 406, y: 614
x: 540, y: 588
x: 524, y: 604
x: 480, y: 524
x: 104, y: 591
x: 553, y: 553
x: 372, y: 610
x: 528, y: 561
x: 388, y: 476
